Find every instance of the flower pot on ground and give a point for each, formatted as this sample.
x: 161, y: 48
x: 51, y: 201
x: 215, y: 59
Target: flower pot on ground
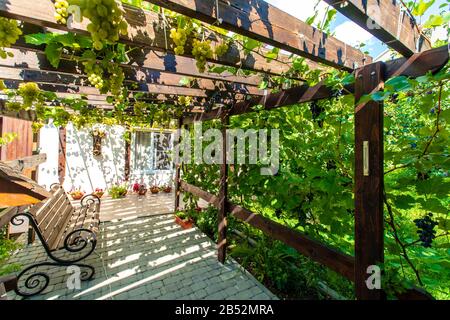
x: 183, y: 220
x: 167, y: 189
x: 118, y: 191
x: 154, y: 189
x: 98, y: 192
x: 76, y: 194
x: 142, y: 190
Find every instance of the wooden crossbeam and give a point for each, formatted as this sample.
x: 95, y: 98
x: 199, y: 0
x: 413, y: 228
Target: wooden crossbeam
x: 335, y: 260
x: 148, y: 67
x: 416, y: 65
x: 27, y: 162
x: 386, y: 20
x: 144, y: 30
x: 259, y: 20
x: 17, y: 189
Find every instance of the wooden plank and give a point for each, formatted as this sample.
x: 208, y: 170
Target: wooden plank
x: 17, y: 189
x: 369, y: 177
x: 290, y: 96
x: 178, y: 166
x: 9, y: 282
x: 144, y: 31
x: 417, y: 65
x: 223, y: 195
x: 27, y: 162
x: 143, y: 66
x: 333, y: 259
x: 259, y: 20
x: 62, y: 155
x: 127, y: 169
x: 388, y: 21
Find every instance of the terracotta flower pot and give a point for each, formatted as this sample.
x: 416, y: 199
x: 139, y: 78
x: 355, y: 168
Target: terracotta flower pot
x: 154, y: 190
x: 99, y: 194
x: 142, y: 192
x: 167, y: 190
x: 185, y: 224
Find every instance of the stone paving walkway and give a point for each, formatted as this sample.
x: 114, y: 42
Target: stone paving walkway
x: 150, y: 258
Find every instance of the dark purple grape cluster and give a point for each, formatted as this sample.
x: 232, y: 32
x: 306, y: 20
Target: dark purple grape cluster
x: 426, y: 230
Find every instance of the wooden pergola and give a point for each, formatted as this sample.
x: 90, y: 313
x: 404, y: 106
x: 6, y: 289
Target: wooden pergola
x: 158, y: 72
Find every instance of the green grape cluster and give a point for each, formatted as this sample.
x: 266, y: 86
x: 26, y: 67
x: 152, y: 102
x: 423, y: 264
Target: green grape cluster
x: 179, y: 37
x: 107, y: 22
x: 9, y: 33
x: 184, y: 101
x: 30, y: 93
x: 115, y: 81
x: 221, y: 49
x: 94, y: 72
x: 61, y: 13
x: 201, y: 50
x: 36, y: 126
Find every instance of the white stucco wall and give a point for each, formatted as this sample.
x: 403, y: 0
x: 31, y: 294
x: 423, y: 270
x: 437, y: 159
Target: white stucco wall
x: 86, y: 171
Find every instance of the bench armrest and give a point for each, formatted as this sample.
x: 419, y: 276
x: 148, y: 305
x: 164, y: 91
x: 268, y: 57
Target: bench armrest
x: 91, y: 200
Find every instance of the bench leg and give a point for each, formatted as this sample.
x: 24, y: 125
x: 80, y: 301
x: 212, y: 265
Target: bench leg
x: 30, y: 284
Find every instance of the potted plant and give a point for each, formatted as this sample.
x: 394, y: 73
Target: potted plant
x: 76, y: 194
x: 98, y: 192
x: 182, y: 219
x: 118, y: 191
x: 167, y: 188
x: 142, y: 190
x: 154, y: 189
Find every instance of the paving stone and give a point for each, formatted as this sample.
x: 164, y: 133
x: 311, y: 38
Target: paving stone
x: 145, y: 250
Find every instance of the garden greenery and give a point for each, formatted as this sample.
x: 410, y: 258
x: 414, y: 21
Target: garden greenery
x: 314, y: 189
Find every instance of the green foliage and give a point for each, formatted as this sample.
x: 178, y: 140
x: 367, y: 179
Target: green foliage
x: 7, y: 247
x: 118, y: 191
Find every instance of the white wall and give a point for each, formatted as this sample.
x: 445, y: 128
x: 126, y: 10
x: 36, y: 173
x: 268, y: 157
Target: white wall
x: 84, y: 170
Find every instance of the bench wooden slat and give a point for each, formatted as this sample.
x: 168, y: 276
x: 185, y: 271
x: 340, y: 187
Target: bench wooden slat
x: 53, y: 216
x: 41, y: 212
x: 60, y: 225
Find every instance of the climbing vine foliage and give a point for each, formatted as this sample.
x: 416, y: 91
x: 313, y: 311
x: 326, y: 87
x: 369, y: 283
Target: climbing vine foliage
x: 313, y: 191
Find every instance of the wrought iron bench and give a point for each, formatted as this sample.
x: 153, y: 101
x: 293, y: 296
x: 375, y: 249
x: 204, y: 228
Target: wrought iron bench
x: 68, y: 235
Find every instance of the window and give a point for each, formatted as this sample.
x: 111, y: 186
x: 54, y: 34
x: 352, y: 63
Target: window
x: 152, y: 151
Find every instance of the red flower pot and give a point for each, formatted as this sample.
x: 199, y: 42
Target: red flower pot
x: 185, y: 224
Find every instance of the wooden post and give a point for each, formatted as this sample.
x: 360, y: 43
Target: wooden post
x: 369, y: 177
x: 223, y: 194
x: 62, y: 154
x: 127, y: 169
x: 178, y: 167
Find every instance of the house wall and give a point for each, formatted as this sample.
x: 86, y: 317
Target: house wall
x: 84, y: 170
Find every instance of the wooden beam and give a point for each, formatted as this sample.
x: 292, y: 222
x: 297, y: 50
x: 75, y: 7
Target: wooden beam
x: 178, y: 165
x: 223, y: 195
x: 16, y: 189
x: 127, y: 167
x: 333, y: 259
x: 29, y: 115
x: 62, y: 133
x: 369, y: 177
x: 144, y: 31
x: 417, y: 65
x: 27, y: 162
x: 388, y: 21
x: 259, y: 20
x: 146, y: 74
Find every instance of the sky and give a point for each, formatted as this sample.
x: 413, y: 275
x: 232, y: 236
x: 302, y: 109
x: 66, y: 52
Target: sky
x: 344, y: 29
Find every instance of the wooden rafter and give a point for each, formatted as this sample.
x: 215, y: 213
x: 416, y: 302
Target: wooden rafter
x: 386, y: 20
x: 144, y: 31
x: 259, y: 20
x: 417, y: 65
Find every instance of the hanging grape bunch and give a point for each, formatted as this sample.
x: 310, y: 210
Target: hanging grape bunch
x: 115, y: 81
x: 426, y: 230
x: 106, y: 20
x: 95, y: 73
x: 61, y: 13
x: 221, y: 49
x: 179, y: 37
x: 9, y: 33
x: 29, y: 92
x: 202, y: 51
